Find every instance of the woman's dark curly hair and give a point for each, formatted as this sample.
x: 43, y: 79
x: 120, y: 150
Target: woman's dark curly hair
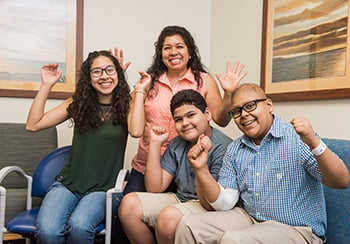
x: 85, y: 108
x: 158, y: 67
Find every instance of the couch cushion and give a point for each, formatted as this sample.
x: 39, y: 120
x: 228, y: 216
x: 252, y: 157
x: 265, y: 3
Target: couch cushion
x: 25, y: 149
x: 338, y: 200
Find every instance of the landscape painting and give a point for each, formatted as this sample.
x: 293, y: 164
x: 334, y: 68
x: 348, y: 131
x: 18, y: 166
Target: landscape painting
x: 305, y: 47
x: 34, y: 33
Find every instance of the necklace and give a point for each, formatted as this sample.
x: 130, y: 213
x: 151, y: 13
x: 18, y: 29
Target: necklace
x: 105, y: 112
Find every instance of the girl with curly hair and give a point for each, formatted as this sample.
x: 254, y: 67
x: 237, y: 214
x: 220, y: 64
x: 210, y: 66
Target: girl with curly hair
x: 75, y: 203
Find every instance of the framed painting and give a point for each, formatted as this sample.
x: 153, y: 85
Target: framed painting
x: 34, y: 33
x: 305, y: 49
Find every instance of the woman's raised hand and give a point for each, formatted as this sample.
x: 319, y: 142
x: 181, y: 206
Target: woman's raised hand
x: 232, y: 77
x: 120, y: 56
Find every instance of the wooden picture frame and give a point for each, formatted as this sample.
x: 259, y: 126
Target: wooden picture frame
x: 39, y: 32
x: 305, y: 50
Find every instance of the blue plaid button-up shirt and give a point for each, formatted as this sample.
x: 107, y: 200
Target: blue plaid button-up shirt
x: 279, y: 180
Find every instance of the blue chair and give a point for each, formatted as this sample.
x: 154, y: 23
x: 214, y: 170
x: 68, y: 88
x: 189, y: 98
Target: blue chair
x: 338, y: 200
x: 37, y: 186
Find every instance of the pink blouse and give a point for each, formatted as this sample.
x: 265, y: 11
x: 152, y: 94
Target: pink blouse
x: 157, y: 112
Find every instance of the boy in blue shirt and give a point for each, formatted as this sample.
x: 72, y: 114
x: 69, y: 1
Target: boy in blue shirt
x: 143, y: 212
x: 276, y: 169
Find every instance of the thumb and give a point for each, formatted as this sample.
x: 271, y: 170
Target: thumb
x: 199, y: 140
x: 218, y: 76
x: 59, y: 74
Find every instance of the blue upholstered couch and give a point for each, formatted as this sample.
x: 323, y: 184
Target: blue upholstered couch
x: 15, y: 149
x: 338, y: 201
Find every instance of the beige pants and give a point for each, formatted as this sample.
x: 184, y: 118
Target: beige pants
x: 236, y: 226
x: 153, y: 203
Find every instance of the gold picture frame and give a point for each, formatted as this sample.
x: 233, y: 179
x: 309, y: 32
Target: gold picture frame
x: 35, y: 33
x: 305, y: 50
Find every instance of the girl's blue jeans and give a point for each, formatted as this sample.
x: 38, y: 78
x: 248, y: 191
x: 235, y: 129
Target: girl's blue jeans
x: 68, y: 217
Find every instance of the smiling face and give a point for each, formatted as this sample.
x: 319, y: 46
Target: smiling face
x: 190, y: 122
x: 106, y: 83
x: 175, y: 54
x: 257, y: 123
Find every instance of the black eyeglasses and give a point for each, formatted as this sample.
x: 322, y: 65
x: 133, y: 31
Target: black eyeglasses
x: 248, y: 107
x: 97, y: 72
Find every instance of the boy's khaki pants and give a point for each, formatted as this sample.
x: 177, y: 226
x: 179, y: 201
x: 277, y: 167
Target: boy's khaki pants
x: 236, y: 226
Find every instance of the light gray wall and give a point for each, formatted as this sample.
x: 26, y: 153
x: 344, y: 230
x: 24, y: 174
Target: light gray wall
x: 133, y: 25
x: 224, y: 30
x: 236, y: 34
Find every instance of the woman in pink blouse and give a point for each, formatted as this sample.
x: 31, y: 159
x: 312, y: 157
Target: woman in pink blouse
x: 176, y: 66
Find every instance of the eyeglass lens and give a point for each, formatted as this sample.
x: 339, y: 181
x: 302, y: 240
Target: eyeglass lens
x: 97, y: 72
x: 248, y: 107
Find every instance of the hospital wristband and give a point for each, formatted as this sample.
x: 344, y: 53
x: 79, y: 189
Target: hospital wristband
x: 320, y: 149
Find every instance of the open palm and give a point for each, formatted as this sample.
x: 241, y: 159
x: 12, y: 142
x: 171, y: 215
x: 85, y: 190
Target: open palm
x: 49, y: 74
x: 232, y: 77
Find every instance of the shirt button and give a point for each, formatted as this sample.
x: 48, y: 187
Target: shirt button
x: 257, y: 174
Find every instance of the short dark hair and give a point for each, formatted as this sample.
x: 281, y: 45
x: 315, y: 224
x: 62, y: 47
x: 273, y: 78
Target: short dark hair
x: 189, y: 97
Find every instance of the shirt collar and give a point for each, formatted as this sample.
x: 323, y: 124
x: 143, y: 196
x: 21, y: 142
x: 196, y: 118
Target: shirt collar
x: 277, y: 130
x: 187, y: 76
x: 278, y: 127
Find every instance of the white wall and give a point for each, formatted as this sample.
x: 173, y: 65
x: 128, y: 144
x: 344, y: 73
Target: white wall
x: 236, y: 34
x: 133, y: 25
x: 224, y: 30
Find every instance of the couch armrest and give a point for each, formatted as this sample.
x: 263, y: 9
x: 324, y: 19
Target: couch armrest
x: 9, y: 169
x: 118, y: 188
x: 2, y: 211
x: 3, y: 173
x: 121, y: 180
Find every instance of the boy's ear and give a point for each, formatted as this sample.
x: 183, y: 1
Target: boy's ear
x: 270, y: 105
x: 207, y: 113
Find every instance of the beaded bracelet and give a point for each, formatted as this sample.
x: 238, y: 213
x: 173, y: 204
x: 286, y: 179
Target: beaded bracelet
x: 140, y: 91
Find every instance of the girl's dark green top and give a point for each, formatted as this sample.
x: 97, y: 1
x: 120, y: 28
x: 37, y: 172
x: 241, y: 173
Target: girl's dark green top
x: 97, y: 156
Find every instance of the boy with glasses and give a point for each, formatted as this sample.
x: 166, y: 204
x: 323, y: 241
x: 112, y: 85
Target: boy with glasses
x: 276, y: 170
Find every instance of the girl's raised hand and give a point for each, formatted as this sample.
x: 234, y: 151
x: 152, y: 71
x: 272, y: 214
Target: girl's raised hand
x: 159, y: 134
x: 143, y: 82
x: 49, y: 74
